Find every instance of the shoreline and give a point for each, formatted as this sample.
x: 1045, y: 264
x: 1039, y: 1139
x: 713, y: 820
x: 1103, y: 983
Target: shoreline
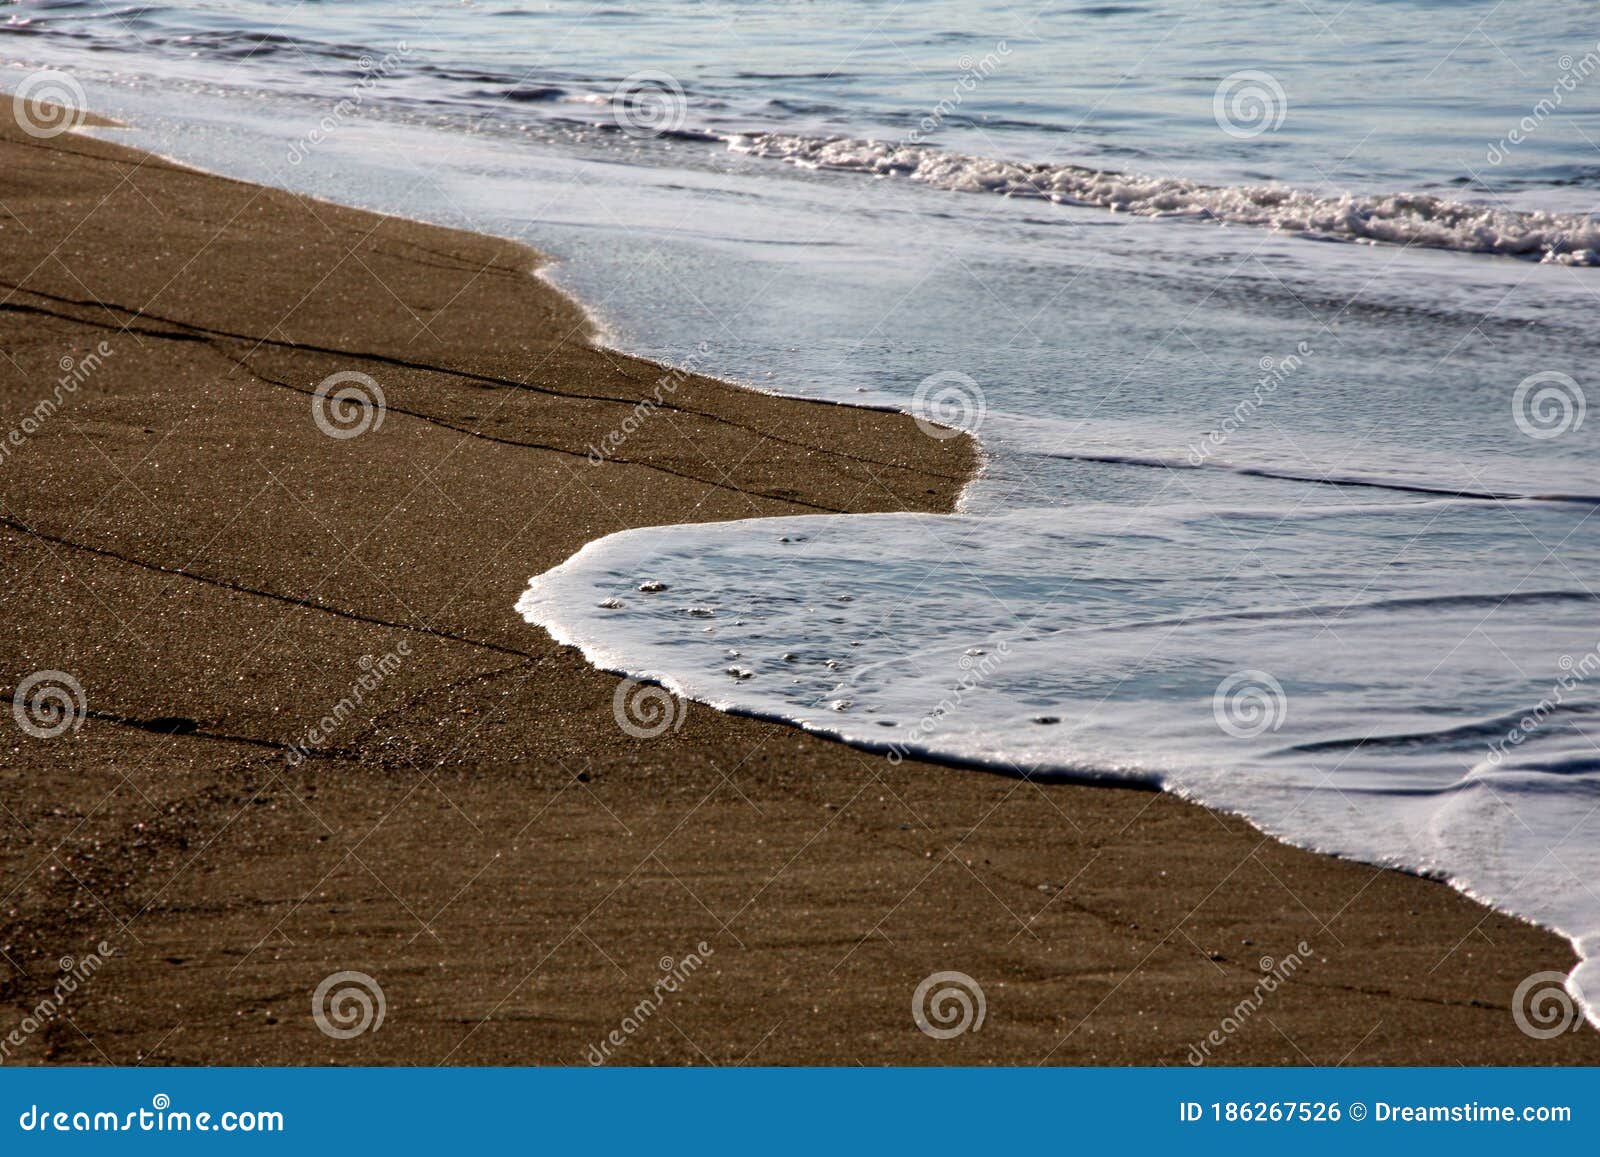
x: 481, y: 839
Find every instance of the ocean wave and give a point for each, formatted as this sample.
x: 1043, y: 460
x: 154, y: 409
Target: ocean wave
x: 1409, y: 684
x: 1408, y: 219
x: 1512, y: 491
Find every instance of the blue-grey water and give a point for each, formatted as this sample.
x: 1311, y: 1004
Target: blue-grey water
x: 1275, y: 321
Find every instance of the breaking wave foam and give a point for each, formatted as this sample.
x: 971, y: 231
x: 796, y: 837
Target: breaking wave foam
x: 1411, y: 219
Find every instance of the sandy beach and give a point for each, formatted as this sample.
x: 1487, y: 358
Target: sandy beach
x: 216, y: 572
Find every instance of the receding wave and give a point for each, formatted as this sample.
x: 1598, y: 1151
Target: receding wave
x: 1410, y: 219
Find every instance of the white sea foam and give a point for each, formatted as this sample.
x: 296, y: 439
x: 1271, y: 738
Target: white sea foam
x: 1417, y: 219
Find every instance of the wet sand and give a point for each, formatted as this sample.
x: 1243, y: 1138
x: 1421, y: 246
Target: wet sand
x: 514, y: 872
